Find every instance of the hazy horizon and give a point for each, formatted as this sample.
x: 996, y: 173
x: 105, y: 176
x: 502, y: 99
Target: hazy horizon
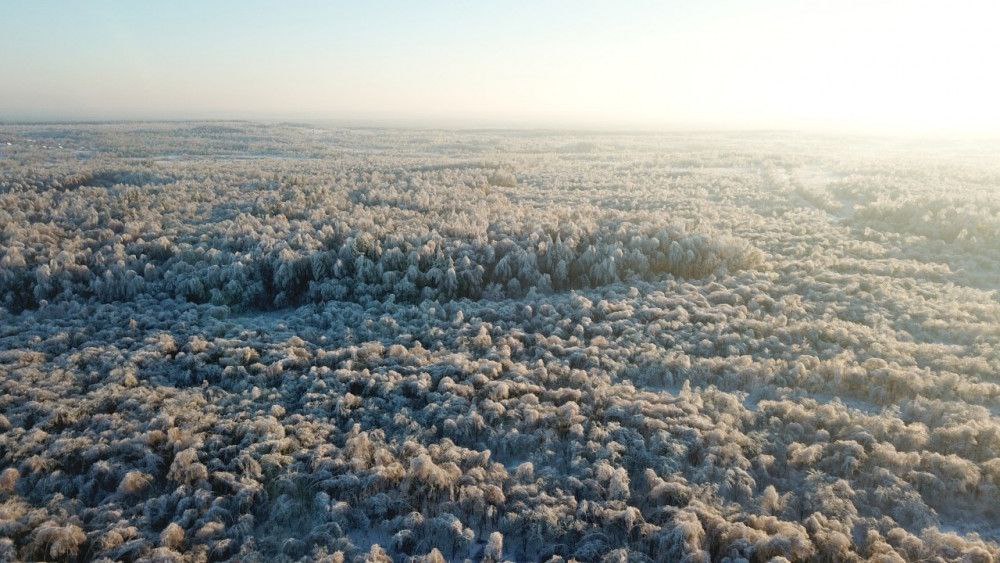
x: 877, y: 67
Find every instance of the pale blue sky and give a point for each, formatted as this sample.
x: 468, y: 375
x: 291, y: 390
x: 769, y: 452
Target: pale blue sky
x: 888, y: 64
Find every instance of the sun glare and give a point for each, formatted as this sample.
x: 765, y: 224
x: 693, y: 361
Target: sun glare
x: 884, y: 65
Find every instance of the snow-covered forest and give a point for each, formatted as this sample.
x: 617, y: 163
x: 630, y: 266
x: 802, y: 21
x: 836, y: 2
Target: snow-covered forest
x: 283, y: 342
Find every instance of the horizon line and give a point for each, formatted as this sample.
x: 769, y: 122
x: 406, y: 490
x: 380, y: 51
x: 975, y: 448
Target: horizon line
x: 538, y: 125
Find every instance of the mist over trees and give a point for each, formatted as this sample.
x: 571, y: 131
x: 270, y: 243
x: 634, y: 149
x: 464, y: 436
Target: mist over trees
x: 239, y: 341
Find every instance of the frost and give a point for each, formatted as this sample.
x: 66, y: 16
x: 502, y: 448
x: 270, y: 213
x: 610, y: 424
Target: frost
x: 237, y: 341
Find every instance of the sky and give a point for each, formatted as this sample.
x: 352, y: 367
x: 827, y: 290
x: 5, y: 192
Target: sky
x: 881, y: 65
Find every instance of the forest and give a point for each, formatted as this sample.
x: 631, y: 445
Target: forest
x: 242, y: 341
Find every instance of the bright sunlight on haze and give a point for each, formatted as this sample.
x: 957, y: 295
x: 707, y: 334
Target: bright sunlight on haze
x: 883, y: 65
